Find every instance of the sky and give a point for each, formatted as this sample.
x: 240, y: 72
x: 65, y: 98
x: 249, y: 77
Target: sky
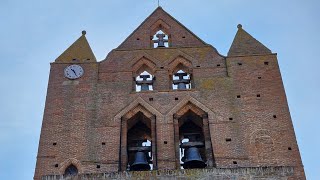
x: 35, y: 32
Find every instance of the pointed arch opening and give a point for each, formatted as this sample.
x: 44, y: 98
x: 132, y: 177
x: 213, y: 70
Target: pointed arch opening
x: 71, y: 170
x: 181, y: 73
x: 181, y: 80
x: 138, y: 140
x: 193, y: 140
x: 160, y: 40
x: 160, y: 35
x: 144, y: 82
x: 143, y: 71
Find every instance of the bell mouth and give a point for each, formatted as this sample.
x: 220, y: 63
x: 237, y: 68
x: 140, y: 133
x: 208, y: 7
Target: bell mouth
x: 194, y: 164
x: 140, y: 167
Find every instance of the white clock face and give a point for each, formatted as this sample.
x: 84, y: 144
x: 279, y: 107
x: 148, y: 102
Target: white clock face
x: 73, y: 71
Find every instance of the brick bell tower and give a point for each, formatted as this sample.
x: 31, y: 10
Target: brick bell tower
x: 167, y: 105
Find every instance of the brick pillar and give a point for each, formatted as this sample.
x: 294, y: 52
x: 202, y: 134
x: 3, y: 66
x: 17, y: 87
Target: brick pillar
x: 154, y: 142
x: 170, y: 83
x: 207, y: 139
x: 176, y: 139
x: 123, y: 149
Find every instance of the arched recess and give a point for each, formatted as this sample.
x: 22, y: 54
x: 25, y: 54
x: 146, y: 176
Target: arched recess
x: 162, y: 26
x: 212, y: 116
x: 263, y: 145
x: 143, y: 71
x: 180, y: 63
x: 70, y: 162
x: 136, y: 120
x: 159, y: 25
x: 180, y: 73
x: 143, y: 64
x: 191, y: 121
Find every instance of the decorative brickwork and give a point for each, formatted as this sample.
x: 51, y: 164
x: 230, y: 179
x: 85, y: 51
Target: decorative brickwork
x: 235, y: 115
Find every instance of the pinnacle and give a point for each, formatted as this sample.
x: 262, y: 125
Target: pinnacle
x: 79, y: 50
x: 245, y: 44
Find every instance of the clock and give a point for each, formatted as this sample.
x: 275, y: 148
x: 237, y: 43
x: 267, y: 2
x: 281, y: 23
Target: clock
x: 73, y: 71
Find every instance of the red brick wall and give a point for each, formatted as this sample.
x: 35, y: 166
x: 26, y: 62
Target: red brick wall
x: 83, y: 116
x: 80, y: 114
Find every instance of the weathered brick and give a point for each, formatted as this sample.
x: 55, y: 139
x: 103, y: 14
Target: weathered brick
x: 88, y: 118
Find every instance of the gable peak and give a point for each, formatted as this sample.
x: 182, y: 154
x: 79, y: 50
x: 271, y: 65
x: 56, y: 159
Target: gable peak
x: 178, y: 35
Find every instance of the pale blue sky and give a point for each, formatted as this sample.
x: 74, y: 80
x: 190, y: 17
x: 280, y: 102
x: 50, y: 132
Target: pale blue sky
x: 33, y: 33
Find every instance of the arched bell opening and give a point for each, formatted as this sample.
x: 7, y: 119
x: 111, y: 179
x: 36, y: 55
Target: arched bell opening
x: 192, y: 149
x: 160, y: 35
x: 71, y: 170
x: 181, y: 80
x: 160, y: 39
x: 139, y: 143
x: 144, y: 82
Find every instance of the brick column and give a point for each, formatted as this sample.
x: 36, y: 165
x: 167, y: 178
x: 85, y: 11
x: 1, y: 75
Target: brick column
x: 123, y: 148
x: 176, y: 139
x: 207, y: 139
x: 154, y: 142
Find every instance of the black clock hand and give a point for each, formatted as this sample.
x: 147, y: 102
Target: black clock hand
x: 74, y: 71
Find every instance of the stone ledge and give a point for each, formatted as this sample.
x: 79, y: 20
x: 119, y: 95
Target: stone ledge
x: 250, y: 173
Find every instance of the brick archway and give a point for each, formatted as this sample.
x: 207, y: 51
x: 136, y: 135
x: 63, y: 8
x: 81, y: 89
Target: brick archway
x: 143, y: 64
x: 72, y: 161
x: 180, y: 63
x: 124, y: 116
x: 186, y: 105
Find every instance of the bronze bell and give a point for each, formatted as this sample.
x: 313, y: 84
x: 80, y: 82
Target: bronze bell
x: 181, y: 82
x: 140, y: 162
x: 192, y: 159
x: 144, y: 83
x: 182, y: 86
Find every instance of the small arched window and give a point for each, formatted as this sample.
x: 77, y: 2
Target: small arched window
x: 71, y: 170
x: 181, y: 80
x: 144, y: 82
